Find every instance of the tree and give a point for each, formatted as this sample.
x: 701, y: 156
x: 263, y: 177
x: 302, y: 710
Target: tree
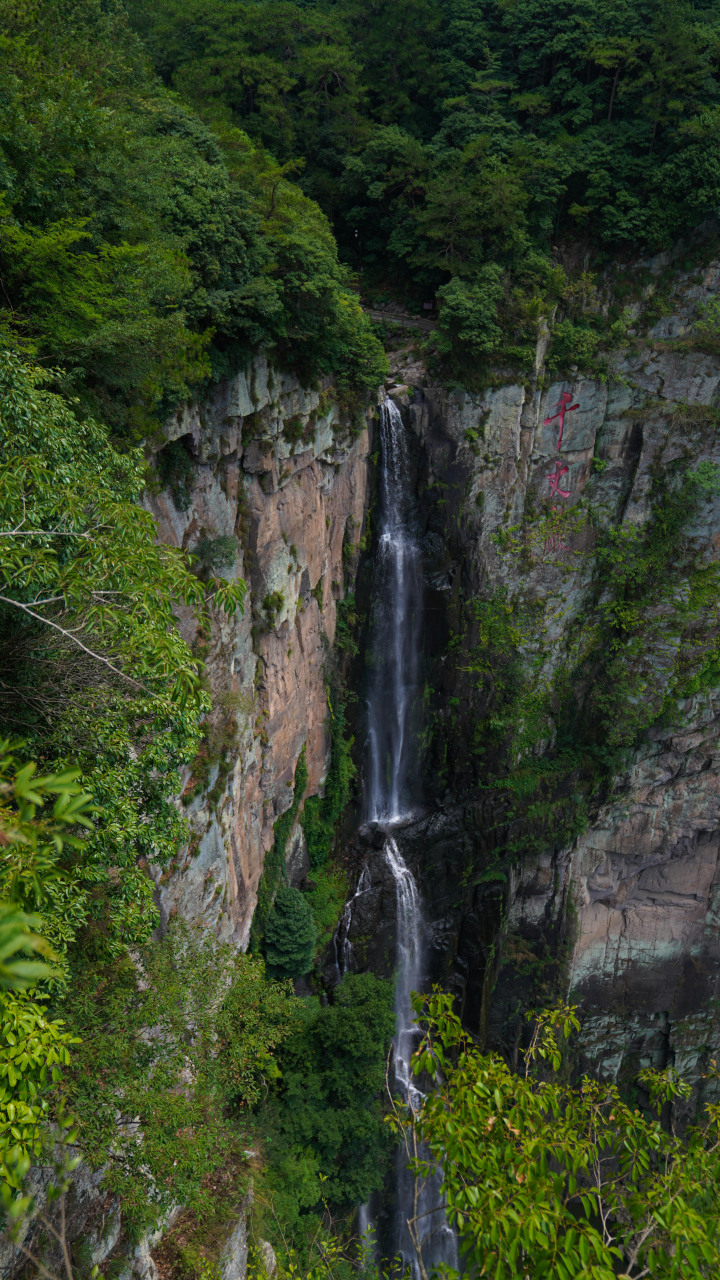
x: 545, y: 1178
x: 469, y: 315
x: 445, y: 137
x: 136, y: 247
x: 325, y: 1120
x: 290, y: 934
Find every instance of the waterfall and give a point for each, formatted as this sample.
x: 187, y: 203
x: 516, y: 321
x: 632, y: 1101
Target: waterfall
x: 397, y: 622
x: 393, y: 724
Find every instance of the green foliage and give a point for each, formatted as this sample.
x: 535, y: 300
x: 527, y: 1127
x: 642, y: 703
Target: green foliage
x: 272, y: 604
x: 544, y: 1178
x: 327, y: 896
x: 321, y: 814
x: 346, y: 623
x: 17, y: 936
x: 572, y: 344
x: 290, y: 934
x: 706, y: 333
x: 456, y: 143
x: 469, y: 316
x: 52, y: 1148
x: 171, y: 1045
x: 132, y: 252
x: 274, y: 870
x: 326, y: 1119
x: 32, y: 872
x: 325, y: 1253
x: 33, y: 1051
x: 93, y: 666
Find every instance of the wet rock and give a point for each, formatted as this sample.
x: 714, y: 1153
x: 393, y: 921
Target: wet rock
x: 297, y: 862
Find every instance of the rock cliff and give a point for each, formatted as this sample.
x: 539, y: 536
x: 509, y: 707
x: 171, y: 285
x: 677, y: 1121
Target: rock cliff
x: 266, y: 480
x: 624, y: 916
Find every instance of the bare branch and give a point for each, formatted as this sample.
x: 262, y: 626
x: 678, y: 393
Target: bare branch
x: 66, y: 1251
x: 19, y: 532
x: 69, y: 635
x: 49, y: 1275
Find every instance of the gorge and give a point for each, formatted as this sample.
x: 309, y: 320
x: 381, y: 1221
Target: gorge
x: 359, y: 584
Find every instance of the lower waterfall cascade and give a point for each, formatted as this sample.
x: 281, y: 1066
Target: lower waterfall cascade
x: 423, y: 1200
x: 393, y: 726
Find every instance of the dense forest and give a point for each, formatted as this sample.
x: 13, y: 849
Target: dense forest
x: 184, y: 184
x: 456, y: 146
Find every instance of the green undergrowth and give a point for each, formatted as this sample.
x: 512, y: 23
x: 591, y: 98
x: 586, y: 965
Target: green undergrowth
x: 191, y: 1074
x: 326, y: 894
x: 316, y: 1145
x: 308, y: 916
x: 193, y: 1248
x: 274, y: 870
x: 186, y: 1129
x: 321, y: 814
x: 326, y: 1136
x: 94, y: 670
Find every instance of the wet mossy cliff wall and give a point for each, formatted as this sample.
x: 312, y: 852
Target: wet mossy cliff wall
x: 573, y: 688
x: 266, y: 480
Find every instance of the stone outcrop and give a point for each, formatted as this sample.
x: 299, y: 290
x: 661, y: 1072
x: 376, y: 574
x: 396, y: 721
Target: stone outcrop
x: 92, y: 1217
x: 644, y: 884
x: 276, y: 494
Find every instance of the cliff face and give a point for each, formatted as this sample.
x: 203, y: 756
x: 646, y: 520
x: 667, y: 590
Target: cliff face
x: 626, y: 915
x: 267, y: 481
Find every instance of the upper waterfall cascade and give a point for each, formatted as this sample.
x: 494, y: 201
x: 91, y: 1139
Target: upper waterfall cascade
x: 397, y: 623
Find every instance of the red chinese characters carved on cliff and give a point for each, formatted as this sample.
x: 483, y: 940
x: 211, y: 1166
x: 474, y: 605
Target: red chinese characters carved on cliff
x: 561, y: 409
x: 561, y: 469
x: 554, y: 540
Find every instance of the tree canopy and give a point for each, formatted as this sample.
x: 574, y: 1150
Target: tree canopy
x: 545, y: 1177
x: 134, y: 252
x: 456, y: 143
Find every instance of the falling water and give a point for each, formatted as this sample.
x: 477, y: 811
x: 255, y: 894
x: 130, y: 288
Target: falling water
x: 397, y: 622
x: 393, y: 723
x: 342, y: 943
x: 421, y: 1200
